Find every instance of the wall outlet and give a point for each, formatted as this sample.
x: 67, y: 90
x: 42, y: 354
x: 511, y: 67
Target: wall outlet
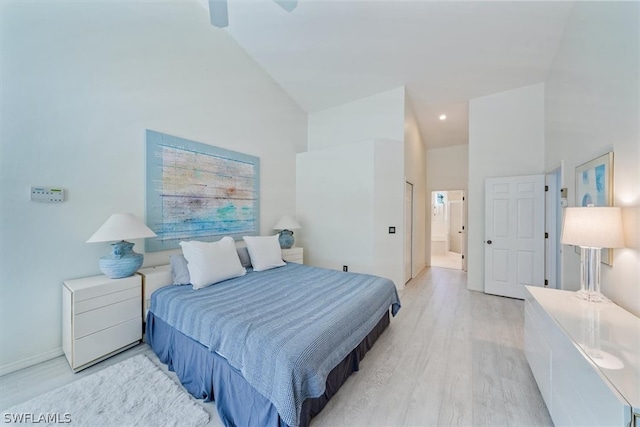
x: 392, y: 230
x: 345, y: 268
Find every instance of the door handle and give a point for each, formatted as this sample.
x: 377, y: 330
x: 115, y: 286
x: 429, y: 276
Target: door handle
x: 459, y: 232
x: 489, y: 242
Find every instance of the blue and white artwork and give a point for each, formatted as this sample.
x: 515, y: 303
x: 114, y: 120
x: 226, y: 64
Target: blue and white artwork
x: 197, y: 191
x: 594, y: 187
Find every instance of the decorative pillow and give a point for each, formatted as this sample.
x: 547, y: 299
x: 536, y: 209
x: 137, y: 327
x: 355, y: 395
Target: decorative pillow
x: 211, y: 263
x: 179, y: 269
x: 264, y: 251
x: 245, y: 259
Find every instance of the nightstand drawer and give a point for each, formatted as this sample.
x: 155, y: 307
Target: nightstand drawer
x: 105, y: 300
x: 96, y: 345
x: 97, y: 286
x: 104, y: 317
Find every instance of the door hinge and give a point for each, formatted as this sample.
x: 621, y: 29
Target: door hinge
x: 546, y: 188
x: 546, y: 283
x: 546, y: 235
x: 463, y: 199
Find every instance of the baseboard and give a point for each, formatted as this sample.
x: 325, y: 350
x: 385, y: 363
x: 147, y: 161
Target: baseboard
x: 30, y: 361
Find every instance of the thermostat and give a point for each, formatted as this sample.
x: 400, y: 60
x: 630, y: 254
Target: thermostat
x: 47, y: 194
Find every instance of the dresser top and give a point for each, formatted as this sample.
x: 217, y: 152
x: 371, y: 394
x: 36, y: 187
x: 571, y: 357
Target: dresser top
x: 95, y: 286
x: 606, y: 334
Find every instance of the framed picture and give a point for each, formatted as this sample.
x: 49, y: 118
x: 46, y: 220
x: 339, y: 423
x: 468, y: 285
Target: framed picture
x: 196, y: 191
x: 594, y: 187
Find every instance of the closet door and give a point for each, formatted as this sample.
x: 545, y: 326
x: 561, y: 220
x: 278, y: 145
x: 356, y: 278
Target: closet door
x: 408, y: 231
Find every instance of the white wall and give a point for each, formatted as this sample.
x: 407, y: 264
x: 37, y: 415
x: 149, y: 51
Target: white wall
x: 345, y: 213
x: 335, y: 209
x: 380, y: 116
x: 592, y: 107
x: 506, y: 138
x: 448, y: 168
x: 388, y: 203
x: 415, y: 170
x: 81, y: 82
x: 385, y: 120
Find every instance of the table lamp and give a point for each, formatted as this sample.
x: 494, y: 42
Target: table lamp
x: 592, y: 228
x: 123, y: 261
x: 286, y: 224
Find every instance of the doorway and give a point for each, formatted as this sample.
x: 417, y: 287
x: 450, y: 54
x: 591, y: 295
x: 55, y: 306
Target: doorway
x: 553, y: 227
x: 448, y: 229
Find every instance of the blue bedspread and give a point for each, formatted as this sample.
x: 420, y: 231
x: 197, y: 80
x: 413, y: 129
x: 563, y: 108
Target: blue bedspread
x: 284, y: 329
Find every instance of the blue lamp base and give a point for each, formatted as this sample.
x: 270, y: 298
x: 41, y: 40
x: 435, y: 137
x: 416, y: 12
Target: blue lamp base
x: 121, y: 262
x: 286, y: 239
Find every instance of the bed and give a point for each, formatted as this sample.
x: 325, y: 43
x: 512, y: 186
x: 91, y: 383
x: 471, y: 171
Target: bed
x: 270, y: 347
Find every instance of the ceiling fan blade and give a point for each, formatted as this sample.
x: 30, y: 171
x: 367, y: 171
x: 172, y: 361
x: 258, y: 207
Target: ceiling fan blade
x: 218, y: 13
x: 287, y: 5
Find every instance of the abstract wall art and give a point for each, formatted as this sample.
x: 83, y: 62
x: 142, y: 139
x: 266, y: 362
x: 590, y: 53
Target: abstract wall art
x: 594, y: 187
x: 196, y: 191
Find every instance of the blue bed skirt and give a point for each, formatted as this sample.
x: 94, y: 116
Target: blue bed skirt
x: 239, y: 404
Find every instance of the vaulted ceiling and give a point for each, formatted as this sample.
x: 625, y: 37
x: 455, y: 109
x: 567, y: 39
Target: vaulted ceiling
x: 326, y: 53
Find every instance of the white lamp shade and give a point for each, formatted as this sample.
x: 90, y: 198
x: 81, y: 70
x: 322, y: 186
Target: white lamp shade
x: 287, y: 222
x: 593, y: 227
x: 121, y: 227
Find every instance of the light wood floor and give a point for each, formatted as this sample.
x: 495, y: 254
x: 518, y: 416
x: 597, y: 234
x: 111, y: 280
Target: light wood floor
x: 451, y: 357
x: 447, y: 260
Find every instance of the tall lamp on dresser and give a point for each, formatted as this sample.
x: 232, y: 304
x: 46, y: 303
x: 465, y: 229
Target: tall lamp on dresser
x: 592, y: 228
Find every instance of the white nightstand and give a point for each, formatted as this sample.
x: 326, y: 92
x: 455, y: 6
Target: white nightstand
x: 100, y: 317
x: 293, y: 255
x: 153, y: 278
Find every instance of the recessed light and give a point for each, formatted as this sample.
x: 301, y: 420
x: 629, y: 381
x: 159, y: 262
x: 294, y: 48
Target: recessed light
x: 443, y: 116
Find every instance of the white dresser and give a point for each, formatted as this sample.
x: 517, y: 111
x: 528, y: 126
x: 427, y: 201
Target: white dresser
x: 585, y: 358
x: 100, y: 317
x: 293, y: 255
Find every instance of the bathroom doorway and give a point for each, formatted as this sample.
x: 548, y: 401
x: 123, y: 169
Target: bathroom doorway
x: 448, y: 229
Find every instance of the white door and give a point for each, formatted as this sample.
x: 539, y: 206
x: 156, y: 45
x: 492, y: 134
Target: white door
x: 408, y: 230
x: 553, y: 222
x: 514, y: 234
x: 455, y: 226
x: 464, y: 232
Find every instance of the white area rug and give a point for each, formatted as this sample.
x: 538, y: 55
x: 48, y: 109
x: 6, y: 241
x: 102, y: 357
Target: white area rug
x: 134, y: 392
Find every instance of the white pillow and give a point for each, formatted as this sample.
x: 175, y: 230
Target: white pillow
x: 264, y: 251
x: 211, y: 263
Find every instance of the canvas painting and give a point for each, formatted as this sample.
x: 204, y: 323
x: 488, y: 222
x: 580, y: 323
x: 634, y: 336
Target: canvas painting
x: 200, y: 192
